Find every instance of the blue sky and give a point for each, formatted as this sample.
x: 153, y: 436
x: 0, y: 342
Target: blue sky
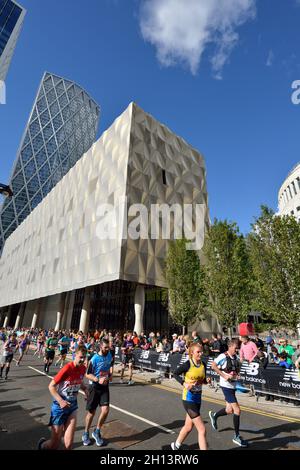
x: 223, y: 83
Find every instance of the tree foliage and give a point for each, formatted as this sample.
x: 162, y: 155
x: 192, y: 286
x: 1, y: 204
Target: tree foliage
x: 185, y: 278
x: 228, y: 278
x: 274, y: 246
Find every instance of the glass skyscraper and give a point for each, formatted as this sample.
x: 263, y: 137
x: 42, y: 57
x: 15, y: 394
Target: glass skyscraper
x: 11, y: 20
x: 62, y: 126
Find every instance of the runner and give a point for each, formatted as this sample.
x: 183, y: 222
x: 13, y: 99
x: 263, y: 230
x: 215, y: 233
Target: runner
x: 64, y: 388
x: 91, y: 348
x: 99, y: 374
x: 51, y: 344
x: 227, y: 366
x: 40, y: 344
x: 127, y: 358
x: 23, y: 342
x: 9, y: 348
x: 63, y: 344
x: 194, y: 371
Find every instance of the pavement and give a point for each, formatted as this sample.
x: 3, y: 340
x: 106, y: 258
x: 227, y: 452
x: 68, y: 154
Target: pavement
x: 145, y: 416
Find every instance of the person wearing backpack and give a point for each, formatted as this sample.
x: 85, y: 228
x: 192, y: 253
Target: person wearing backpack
x: 227, y: 366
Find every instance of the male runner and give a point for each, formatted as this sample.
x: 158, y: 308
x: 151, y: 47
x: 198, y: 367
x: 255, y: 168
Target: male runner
x: 127, y: 358
x: 51, y: 344
x: 9, y: 348
x: 63, y: 344
x: 64, y: 388
x: 99, y: 374
x: 227, y: 366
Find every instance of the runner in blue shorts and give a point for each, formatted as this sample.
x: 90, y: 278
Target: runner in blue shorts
x: 64, y: 388
x: 227, y: 366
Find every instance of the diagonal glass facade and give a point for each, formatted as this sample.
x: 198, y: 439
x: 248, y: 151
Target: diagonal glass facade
x: 62, y: 127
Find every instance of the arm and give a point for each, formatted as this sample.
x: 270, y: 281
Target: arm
x: 220, y: 372
x: 62, y: 403
x: 89, y: 374
x: 242, y: 357
x: 182, y: 369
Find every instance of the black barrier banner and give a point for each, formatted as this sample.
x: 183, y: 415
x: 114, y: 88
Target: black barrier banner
x: 273, y: 379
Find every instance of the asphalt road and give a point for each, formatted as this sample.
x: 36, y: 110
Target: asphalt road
x: 143, y: 416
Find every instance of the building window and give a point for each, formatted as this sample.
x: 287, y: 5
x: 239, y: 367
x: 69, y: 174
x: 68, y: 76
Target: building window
x: 298, y: 208
x: 164, y: 177
x: 294, y: 188
x: 290, y: 192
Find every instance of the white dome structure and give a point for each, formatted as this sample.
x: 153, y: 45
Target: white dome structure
x: 289, y: 194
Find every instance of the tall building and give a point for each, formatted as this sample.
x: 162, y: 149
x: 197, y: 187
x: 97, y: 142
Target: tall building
x: 289, y: 194
x: 57, y: 270
x: 11, y: 21
x: 62, y: 126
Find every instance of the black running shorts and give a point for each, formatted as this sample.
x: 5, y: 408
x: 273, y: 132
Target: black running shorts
x: 192, y: 409
x: 98, y: 396
x: 50, y: 355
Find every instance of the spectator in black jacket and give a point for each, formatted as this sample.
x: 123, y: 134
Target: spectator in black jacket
x: 259, y: 343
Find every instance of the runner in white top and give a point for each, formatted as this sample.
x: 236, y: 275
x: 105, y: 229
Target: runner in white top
x: 227, y: 366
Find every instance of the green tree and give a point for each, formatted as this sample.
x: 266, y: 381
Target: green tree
x: 274, y: 245
x: 185, y: 278
x: 228, y: 277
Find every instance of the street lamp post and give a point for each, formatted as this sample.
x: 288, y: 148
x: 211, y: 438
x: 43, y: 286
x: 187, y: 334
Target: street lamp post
x: 5, y: 190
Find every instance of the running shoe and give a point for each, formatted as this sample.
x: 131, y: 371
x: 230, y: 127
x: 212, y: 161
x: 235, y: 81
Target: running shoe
x: 130, y: 382
x: 174, y: 446
x: 97, y: 436
x: 213, y: 420
x: 41, y: 442
x: 239, y: 441
x: 86, y: 439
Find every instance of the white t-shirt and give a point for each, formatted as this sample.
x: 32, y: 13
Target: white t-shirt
x: 221, y: 362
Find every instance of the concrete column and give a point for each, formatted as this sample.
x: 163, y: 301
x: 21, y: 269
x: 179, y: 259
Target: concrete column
x: 60, y: 311
x: 20, y: 315
x: 7, y: 317
x: 85, y: 312
x: 139, y: 306
x: 36, y: 313
x: 65, y: 315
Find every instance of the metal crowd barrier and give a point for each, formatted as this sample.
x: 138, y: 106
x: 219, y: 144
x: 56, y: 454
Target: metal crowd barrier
x: 273, y: 380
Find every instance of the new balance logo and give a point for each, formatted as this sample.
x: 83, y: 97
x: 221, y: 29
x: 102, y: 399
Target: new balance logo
x: 145, y: 354
x: 250, y: 369
x: 163, y: 357
x: 291, y: 375
x: 184, y: 359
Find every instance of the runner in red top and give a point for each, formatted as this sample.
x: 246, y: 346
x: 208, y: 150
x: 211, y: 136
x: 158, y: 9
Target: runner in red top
x: 64, y: 388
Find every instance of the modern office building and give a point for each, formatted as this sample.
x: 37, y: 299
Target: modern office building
x: 289, y: 194
x: 11, y: 20
x: 62, y: 126
x: 59, y: 268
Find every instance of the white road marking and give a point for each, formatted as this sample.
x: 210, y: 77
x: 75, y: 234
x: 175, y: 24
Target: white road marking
x: 169, y: 431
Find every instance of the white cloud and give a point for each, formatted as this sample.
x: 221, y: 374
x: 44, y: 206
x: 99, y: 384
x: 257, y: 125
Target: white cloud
x: 270, y: 58
x: 182, y: 29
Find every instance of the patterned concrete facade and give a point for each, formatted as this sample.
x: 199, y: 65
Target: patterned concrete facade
x: 57, y: 247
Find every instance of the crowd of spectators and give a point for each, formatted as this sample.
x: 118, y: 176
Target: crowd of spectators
x: 270, y: 351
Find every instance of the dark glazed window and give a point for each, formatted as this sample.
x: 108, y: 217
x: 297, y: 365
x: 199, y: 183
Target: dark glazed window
x: 9, y: 15
x: 164, y: 177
